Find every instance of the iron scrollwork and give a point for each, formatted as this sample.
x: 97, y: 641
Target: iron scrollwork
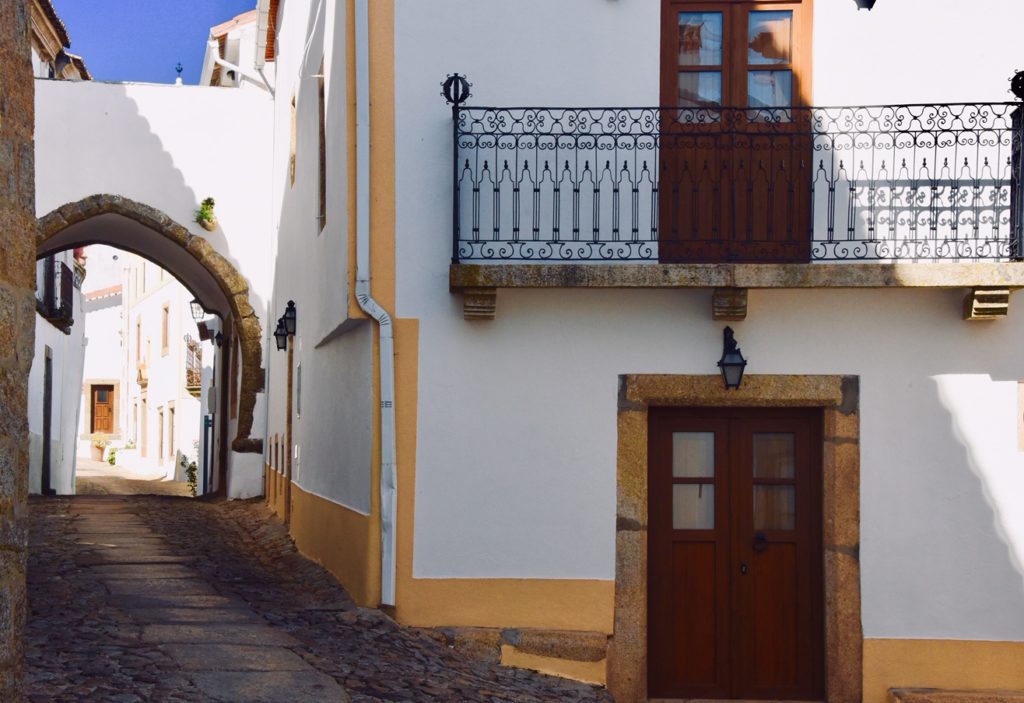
x: 907, y: 182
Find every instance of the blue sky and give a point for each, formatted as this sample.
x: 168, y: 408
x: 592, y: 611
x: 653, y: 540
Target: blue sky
x: 142, y: 40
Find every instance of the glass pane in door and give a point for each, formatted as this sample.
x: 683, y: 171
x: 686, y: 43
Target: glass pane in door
x: 700, y: 38
x: 693, y: 506
x: 769, y: 88
x: 770, y: 37
x: 774, y: 454
x: 700, y: 89
x: 693, y: 454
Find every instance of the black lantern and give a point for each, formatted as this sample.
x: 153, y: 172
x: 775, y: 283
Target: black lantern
x: 219, y: 339
x: 732, y: 362
x: 864, y: 4
x: 289, y: 317
x: 198, y: 313
x: 281, y: 335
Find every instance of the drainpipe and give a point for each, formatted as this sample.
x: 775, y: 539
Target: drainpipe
x: 388, y: 464
x: 260, y: 81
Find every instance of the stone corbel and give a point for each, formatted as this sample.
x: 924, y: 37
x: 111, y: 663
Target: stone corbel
x: 479, y: 303
x: 986, y: 303
x: 729, y: 304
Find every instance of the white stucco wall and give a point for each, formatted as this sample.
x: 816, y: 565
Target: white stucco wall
x: 516, y: 427
x: 168, y: 147
x: 67, y: 360
x: 333, y: 432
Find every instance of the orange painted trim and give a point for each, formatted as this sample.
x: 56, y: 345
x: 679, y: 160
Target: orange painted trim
x: 382, y: 150
x: 343, y: 541
x: 547, y: 604
x: 948, y: 664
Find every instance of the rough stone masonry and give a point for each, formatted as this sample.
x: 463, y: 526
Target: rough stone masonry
x: 17, y: 330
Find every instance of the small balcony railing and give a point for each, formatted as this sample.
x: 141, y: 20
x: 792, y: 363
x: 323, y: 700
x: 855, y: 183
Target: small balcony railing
x: 193, y: 366
x: 890, y: 183
x: 55, y: 290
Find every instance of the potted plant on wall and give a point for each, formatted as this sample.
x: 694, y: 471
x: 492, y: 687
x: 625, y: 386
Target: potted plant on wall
x: 205, y: 216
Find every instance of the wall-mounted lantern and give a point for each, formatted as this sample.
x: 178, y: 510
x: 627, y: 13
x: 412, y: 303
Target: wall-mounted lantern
x: 281, y: 335
x: 198, y: 312
x: 289, y: 317
x: 219, y: 339
x: 732, y: 362
x: 864, y: 4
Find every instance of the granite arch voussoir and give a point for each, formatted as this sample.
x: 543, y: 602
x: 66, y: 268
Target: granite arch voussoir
x: 234, y: 286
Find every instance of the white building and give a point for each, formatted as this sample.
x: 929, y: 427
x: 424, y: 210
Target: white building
x: 55, y: 378
x: 501, y: 408
x: 143, y: 371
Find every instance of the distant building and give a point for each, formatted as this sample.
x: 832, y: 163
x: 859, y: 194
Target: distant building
x: 50, y: 44
x: 143, y: 379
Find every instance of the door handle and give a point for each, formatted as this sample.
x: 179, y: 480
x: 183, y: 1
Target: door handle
x: 760, y: 542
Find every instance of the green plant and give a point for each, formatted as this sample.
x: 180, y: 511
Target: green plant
x: 112, y: 456
x: 100, y: 443
x: 205, y: 212
x: 191, y: 474
x: 130, y: 444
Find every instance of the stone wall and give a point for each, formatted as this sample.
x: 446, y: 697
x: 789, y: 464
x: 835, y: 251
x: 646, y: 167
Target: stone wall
x: 17, y: 318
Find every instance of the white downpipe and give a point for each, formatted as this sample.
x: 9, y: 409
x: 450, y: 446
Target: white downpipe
x: 388, y: 464
x: 259, y: 80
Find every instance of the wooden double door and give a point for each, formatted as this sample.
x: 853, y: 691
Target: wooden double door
x: 735, y: 584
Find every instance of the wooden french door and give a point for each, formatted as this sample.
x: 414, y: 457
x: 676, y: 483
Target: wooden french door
x: 735, y: 584
x: 736, y: 161
x: 103, y: 409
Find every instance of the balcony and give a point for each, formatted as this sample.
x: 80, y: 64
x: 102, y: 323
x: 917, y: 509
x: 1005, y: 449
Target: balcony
x: 55, y: 290
x: 193, y: 366
x: 736, y: 198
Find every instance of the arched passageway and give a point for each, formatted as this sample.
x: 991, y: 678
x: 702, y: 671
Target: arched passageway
x: 143, y: 230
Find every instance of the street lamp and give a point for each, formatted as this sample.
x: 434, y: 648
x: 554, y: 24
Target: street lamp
x: 281, y: 335
x: 732, y: 362
x: 198, y: 313
x: 289, y: 317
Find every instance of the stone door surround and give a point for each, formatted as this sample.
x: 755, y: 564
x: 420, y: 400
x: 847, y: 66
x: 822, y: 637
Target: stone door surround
x: 838, y: 396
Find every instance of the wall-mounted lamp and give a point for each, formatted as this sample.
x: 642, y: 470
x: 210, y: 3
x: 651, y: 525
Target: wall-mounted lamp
x: 864, y: 4
x: 289, y: 317
x: 281, y: 335
x: 198, y: 312
x: 732, y: 362
x: 219, y: 339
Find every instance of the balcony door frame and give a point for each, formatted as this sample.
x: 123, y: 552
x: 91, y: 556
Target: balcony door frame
x: 838, y: 399
x: 743, y: 225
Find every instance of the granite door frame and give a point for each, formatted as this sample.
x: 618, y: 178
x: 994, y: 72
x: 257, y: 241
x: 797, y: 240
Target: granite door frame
x: 838, y: 397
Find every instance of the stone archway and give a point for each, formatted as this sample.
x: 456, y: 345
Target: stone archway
x: 232, y: 285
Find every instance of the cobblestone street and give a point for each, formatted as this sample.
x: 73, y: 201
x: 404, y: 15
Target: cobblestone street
x: 158, y: 598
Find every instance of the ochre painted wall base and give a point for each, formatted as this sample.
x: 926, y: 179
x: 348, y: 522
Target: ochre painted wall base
x: 947, y: 664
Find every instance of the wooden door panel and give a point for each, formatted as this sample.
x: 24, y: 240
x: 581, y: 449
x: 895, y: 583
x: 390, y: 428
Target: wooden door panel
x: 735, y: 607
x: 693, y: 612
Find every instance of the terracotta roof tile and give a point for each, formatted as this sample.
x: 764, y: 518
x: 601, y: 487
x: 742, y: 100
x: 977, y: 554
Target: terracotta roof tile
x: 238, y: 21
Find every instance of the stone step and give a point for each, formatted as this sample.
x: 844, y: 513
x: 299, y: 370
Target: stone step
x: 939, y: 695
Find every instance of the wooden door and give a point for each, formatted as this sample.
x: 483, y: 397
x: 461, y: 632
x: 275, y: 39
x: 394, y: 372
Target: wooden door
x: 735, y: 586
x: 103, y: 409
x: 735, y: 147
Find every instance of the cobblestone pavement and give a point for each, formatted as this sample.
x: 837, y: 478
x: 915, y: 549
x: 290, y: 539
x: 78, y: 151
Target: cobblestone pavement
x: 155, y: 598
x: 100, y: 478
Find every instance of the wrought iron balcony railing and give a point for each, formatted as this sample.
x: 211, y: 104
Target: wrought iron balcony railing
x: 193, y: 366
x: 891, y: 183
x: 55, y: 289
